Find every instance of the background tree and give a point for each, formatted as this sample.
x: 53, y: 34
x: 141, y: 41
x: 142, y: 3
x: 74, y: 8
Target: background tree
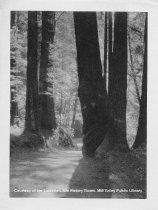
x: 136, y: 24
x: 47, y: 112
x: 134, y: 74
x: 13, y: 66
x: 32, y: 115
x: 118, y: 76
x: 142, y: 123
x: 74, y: 111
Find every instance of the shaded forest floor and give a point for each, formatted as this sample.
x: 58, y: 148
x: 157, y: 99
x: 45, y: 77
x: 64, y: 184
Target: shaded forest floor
x: 65, y: 173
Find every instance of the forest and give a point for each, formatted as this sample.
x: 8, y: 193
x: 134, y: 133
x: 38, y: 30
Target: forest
x: 78, y: 104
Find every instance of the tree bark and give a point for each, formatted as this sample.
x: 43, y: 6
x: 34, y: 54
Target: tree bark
x: 32, y: 119
x: 92, y: 92
x: 141, y: 136
x: 13, y: 90
x: 47, y: 109
x: 118, y: 78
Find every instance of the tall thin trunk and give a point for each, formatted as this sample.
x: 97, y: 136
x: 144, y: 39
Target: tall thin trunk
x: 31, y: 119
x: 110, y: 47
x: 68, y: 111
x: 105, y: 48
x: 74, y: 111
x: 13, y: 90
x: 47, y: 109
x: 92, y: 92
x: 118, y: 77
x: 141, y: 136
x: 61, y: 106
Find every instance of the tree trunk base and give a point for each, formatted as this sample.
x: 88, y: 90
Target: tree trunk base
x: 87, y: 151
x: 93, y: 139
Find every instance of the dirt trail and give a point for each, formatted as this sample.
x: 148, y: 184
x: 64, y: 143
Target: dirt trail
x: 64, y: 173
x: 41, y: 171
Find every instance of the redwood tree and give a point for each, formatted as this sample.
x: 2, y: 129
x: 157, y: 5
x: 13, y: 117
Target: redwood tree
x: 92, y: 92
x: 31, y: 119
x: 47, y: 112
x: 118, y: 77
x: 13, y: 102
x: 141, y: 136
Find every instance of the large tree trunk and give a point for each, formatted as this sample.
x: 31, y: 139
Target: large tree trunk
x: 47, y: 110
x: 141, y: 136
x: 31, y: 119
x: 13, y: 102
x: 92, y: 92
x: 118, y: 78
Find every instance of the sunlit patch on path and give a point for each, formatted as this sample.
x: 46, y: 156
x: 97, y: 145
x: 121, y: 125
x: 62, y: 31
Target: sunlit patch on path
x: 43, y: 173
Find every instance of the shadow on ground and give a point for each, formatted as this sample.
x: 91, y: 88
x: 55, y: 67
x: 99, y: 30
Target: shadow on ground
x: 90, y: 179
x: 113, y: 175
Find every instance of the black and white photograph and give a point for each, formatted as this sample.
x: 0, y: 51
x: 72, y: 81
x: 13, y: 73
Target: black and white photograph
x: 78, y: 104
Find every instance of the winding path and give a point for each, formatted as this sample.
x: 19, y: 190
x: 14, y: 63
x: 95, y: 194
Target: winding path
x: 64, y: 173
